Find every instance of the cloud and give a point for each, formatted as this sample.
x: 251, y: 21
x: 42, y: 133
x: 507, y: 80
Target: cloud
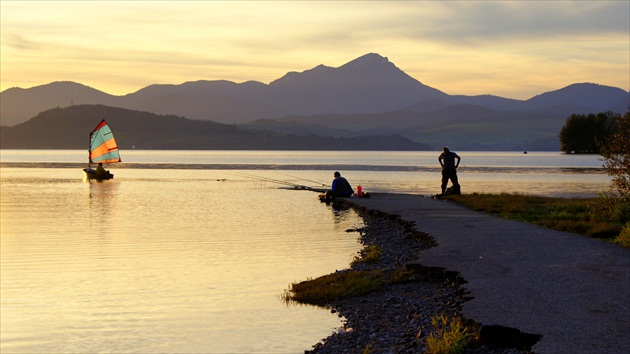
x: 447, y: 44
x: 15, y: 41
x: 478, y: 23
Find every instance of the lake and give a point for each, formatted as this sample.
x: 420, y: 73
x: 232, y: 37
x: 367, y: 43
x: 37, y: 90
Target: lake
x: 190, y: 251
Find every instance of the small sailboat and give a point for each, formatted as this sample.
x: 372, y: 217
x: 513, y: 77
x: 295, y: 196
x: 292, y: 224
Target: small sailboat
x: 103, y: 149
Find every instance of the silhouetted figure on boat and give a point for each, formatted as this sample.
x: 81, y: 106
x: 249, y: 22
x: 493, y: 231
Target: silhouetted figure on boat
x: 100, y: 171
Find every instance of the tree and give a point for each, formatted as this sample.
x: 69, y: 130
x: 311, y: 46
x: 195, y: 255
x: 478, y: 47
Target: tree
x: 616, y: 153
x: 586, y: 134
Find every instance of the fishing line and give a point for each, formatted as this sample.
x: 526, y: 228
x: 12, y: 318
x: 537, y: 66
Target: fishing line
x: 273, y: 180
x: 282, y: 182
x: 307, y: 180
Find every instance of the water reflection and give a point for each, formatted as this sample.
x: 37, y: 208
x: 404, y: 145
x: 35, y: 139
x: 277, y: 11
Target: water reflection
x: 340, y: 211
x: 179, y: 255
x: 178, y: 262
x: 101, y: 205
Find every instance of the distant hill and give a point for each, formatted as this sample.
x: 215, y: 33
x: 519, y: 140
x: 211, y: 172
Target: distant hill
x: 597, y: 97
x: 69, y: 128
x: 469, y: 123
x: 18, y: 105
x: 366, y: 95
x: 465, y: 126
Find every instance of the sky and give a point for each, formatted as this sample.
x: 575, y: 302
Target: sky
x: 513, y: 49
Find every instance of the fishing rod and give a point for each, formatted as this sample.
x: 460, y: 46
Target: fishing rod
x: 265, y: 179
x: 307, y: 180
x: 273, y: 180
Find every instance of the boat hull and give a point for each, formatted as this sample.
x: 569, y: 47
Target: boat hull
x: 91, y: 174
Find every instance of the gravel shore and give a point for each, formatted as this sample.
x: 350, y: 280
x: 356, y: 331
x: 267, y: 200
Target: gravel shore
x: 397, y: 319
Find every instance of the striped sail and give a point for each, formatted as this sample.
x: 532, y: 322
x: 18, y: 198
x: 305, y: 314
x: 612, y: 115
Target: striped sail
x: 103, y: 147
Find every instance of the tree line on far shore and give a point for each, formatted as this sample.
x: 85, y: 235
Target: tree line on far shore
x: 607, y: 134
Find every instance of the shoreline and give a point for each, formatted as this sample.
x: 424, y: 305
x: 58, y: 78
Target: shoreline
x: 397, y: 319
x: 527, y: 286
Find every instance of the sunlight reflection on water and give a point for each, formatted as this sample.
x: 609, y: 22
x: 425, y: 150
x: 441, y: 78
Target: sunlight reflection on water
x: 176, y: 262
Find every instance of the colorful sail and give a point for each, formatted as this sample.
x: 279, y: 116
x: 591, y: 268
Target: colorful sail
x: 103, y: 147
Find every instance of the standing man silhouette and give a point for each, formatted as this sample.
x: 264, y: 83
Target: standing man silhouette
x: 449, y: 169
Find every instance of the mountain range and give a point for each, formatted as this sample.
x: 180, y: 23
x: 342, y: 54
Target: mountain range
x: 69, y: 128
x: 366, y: 96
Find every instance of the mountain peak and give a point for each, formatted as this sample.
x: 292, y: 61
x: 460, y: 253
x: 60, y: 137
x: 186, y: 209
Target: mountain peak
x: 369, y: 60
x: 372, y: 57
x: 595, y: 96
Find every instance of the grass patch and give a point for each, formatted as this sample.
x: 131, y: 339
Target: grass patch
x: 336, y: 286
x: 602, y: 217
x: 341, y: 285
x: 449, y: 336
x: 369, y: 254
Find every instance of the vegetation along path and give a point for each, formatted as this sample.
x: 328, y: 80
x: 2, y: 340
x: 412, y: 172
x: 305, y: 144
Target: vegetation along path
x: 572, y: 290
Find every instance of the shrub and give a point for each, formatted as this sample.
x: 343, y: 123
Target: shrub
x: 616, y: 153
x: 604, y: 230
x: 624, y: 237
x: 622, y: 210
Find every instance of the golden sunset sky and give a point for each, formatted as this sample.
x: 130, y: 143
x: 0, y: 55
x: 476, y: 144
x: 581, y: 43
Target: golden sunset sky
x: 514, y: 49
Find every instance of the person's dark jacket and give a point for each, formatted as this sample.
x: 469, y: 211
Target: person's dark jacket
x: 341, y: 187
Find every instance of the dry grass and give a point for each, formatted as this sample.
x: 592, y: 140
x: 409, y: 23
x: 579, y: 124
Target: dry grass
x: 336, y: 286
x: 369, y: 254
x: 602, y: 217
x: 449, y: 336
x: 326, y: 289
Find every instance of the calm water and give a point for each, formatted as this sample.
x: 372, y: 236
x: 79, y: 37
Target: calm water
x: 189, y: 251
